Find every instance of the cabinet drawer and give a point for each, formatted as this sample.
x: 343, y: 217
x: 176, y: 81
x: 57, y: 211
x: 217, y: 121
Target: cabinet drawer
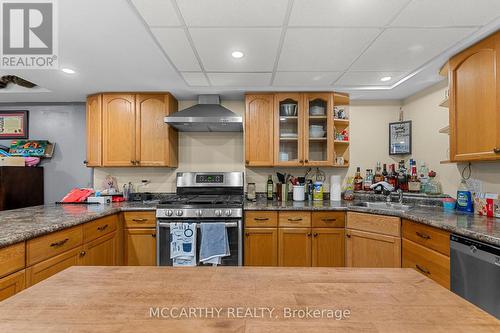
x: 428, y: 262
x: 50, y: 245
x: 100, y: 227
x: 433, y: 238
x: 49, y: 267
x: 328, y: 219
x: 140, y: 219
x: 12, y: 258
x: 385, y: 225
x: 11, y: 284
x: 261, y: 219
x: 294, y: 219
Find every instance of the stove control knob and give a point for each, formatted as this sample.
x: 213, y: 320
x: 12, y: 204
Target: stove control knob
x: 169, y: 212
x: 228, y: 212
x: 178, y: 212
x: 218, y: 212
x: 199, y: 212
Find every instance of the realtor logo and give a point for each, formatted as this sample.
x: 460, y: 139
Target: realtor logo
x: 29, y: 34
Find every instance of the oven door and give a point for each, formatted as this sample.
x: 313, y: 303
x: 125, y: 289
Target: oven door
x: 234, y: 233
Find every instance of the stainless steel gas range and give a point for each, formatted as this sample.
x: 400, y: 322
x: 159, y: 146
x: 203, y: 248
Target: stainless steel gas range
x: 203, y: 197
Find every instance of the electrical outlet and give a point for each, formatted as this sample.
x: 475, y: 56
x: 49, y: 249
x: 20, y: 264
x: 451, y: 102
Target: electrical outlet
x: 475, y: 185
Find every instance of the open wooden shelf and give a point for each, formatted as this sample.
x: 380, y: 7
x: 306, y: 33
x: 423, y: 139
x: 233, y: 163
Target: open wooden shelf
x: 341, y: 166
x: 341, y: 142
x: 341, y: 121
x: 445, y: 130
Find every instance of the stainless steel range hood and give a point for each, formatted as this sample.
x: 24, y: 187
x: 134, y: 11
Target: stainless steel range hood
x: 206, y: 116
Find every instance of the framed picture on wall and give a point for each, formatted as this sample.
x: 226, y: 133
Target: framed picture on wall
x: 14, y: 124
x: 400, y: 138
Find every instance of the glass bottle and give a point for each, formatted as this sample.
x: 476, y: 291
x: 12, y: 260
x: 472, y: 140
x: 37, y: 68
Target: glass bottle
x: 378, y: 177
x: 384, y: 172
x: 368, y: 180
x: 391, y: 177
x: 402, y: 177
x: 270, y: 188
x: 423, y: 175
x: 414, y: 182
x: 358, y: 180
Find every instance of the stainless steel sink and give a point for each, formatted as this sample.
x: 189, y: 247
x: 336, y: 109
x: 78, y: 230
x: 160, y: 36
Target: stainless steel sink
x: 382, y: 205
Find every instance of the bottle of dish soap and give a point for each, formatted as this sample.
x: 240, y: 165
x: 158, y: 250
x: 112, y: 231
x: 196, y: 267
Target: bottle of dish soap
x: 464, y: 198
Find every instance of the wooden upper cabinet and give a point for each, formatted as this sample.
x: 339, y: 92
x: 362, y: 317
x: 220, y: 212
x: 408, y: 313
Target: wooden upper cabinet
x: 475, y: 102
x: 94, y: 131
x: 119, y: 122
x: 129, y: 130
x: 318, y: 129
x: 156, y: 142
x: 294, y: 247
x: 288, y: 129
x: 259, y: 130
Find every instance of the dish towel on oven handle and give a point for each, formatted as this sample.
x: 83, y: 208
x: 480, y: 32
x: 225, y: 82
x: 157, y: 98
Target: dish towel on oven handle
x: 183, y: 244
x: 214, y: 243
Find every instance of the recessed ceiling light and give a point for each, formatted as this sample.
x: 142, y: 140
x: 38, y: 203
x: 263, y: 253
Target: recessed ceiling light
x: 68, y: 71
x: 386, y: 78
x: 237, y: 54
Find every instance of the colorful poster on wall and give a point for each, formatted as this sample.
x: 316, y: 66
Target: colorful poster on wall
x: 13, y: 124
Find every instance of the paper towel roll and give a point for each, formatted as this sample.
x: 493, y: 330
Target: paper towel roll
x: 335, y: 188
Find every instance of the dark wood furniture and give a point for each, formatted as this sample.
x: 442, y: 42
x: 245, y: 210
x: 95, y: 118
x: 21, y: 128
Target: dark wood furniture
x: 20, y: 187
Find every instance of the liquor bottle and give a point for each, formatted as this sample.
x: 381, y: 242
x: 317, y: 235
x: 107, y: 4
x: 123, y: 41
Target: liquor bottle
x: 270, y: 188
x: 402, y: 177
x: 392, y: 177
x: 423, y: 176
x: 368, y: 180
x: 414, y: 182
x: 385, y: 173
x: 378, y: 177
x: 358, y: 180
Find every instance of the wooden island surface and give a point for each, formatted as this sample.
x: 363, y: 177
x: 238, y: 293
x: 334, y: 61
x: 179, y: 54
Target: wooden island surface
x: 143, y: 299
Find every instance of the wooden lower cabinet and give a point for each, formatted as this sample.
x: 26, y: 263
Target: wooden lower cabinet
x: 11, y: 284
x: 261, y: 247
x: 368, y: 249
x: 101, y: 251
x: 294, y: 247
x: 140, y: 247
x: 327, y: 247
x: 49, y: 267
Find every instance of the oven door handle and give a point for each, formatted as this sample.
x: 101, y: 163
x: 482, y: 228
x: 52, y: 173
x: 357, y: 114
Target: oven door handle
x: 228, y: 224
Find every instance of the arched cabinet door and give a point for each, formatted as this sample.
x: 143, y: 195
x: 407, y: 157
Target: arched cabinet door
x: 475, y: 102
x: 259, y: 129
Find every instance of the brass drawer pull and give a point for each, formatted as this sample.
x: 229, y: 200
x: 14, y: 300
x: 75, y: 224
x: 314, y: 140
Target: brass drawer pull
x: 153, y: 235
x: 102, y: 228
x: 140, y: 220
x: 295, y: 219
x: 496, y: 150
x: 348, y: 235
x: 422, y: 235
x: 59, y: 243
x: 329, y: 220
x: 82, y: 253
x: 423, y: 270
x: 261, y: 219
x: 315, y: 234
x: 309, y: 234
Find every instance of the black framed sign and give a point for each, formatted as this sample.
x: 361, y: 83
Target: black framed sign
x: 14, y: 124
x: 400, y: 138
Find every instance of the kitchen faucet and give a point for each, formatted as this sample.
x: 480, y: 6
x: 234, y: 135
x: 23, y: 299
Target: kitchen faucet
x: 400, y: 193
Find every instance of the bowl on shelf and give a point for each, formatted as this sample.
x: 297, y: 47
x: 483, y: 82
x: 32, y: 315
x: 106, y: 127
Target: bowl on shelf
x: 288, y: 110
x: 316, y: 132
x: 317, y: 110
x: 283, y: 156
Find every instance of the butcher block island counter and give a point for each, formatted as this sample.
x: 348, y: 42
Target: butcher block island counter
x: 239, y: 299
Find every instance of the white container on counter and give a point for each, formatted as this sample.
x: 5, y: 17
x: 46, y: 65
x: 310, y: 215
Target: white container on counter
x: 298, y: 192
x: 335, y: 188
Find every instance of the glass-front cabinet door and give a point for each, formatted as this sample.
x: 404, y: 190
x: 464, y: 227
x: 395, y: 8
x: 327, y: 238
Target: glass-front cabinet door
x: 288, y: 138
x: 318, y: 129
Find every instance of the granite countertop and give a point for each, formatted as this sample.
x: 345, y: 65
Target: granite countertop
x: 22, y: 224
x: 470, y: 225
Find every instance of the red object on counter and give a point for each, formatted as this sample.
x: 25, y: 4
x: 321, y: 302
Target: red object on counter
x: 117, y: 198
x: 77, y: 195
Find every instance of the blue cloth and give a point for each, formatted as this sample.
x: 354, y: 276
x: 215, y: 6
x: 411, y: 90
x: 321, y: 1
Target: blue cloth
x: 214, y: 243
x: 183, y: 244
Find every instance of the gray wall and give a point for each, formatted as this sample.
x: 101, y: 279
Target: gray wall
x: 63, y: 124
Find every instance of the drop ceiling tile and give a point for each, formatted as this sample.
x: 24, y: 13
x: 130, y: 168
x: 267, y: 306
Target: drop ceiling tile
x: 195, y: 79
x: 353, y: 78
x: 305, y: 79
x: 226, y: 13
x: 239, y: 79
x: 323, y: 49
x: 442, y: 13
x: 406, y: 49
x: 177, y: 47
x: 348, y: 13
x: 157, y: 12
x: 215, y: 45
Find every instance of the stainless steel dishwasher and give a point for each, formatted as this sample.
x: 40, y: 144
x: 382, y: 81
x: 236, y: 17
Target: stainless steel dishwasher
x: 475, y: 272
